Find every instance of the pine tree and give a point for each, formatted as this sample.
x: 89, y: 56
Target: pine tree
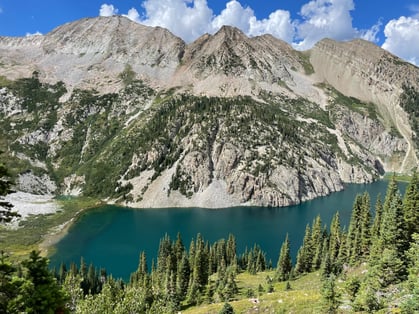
x: 304, y: 255
x: 284, y: 262
x: 335, y: 242
x: 46, y: 296
x: 393, y: 228
x: 411, y: 305
x: 8, y: 288
x: 354, y: 231
x: 138, y: 277
x: 365, y: 225
x: 411, y: 207
x: 183, y: 276
x: 391, y: 193
x: 6, y: 213
x: 227, y: 309
x: 317, y: 237
x: 375, y: 230
x: 330, y: 295
x: 231, y: 250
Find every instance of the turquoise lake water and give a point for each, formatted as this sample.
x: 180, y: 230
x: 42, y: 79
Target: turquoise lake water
x: 112, y: 237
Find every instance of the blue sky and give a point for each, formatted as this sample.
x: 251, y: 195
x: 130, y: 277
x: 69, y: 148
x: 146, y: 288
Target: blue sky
x: 394, y: 25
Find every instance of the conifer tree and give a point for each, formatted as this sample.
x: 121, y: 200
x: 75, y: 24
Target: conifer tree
x: 365, y: 225
x: 227, y: 309
x: 393, y: 228
x: 183, y: 276
x: 375, y: 230
x: 335, y: 240
x: 317, y: 239
x: 179, y: 248
x: 391, y: 193
x: 45, y: 294
x: 142, y: 271
x: 330, y: 295
x: 354, y: 231
x: 411, y: 305
x: 411, y: 207
x: 284, y: 266
x: 6, y: 212
x: 304, y: 255
x: 8, y: 288
x: 231, y: 250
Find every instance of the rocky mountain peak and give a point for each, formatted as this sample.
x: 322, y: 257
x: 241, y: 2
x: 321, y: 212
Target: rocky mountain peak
x: 230, y: 33
x: 144, y: 118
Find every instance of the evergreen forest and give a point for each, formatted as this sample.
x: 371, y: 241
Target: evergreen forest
x: 370, y: 266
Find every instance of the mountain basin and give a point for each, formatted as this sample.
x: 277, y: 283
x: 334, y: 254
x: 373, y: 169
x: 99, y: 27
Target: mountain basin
x: 113, y: 237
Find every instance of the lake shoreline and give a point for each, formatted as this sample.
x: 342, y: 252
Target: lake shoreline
x: 47, y: 245
x: 112, y: 237
x: 57, y: 233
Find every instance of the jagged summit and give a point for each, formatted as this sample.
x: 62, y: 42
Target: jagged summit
x: 225, y: 120
x: 225, y: 63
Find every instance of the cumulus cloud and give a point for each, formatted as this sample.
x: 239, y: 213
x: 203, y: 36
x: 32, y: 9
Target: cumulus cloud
x: 107, y: 10
x: 234, y: 15
x: 325, y: 18
x: 133, y: 15
x: 402, y: 38
x: 278, y: 24
x: 186, y: 19
x: 190, y: 19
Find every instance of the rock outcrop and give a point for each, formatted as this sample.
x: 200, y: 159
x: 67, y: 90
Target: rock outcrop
x: 139, y: 117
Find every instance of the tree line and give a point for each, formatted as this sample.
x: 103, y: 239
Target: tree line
x: 385, y: 244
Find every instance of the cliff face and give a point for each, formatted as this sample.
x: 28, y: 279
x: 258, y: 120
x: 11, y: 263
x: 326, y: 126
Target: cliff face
x: 91, y: 53
x: 362, y: 70
x: 136, y: 116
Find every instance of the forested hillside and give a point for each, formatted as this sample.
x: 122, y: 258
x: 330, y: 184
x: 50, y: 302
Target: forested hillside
x: 370, y: 266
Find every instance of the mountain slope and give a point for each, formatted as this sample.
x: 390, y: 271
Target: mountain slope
x: 139, y: 117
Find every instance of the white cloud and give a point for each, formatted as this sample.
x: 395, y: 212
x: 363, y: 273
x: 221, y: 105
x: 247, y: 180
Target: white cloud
x: 133, y: 15
x: 234, y: 15
x: 107, y: 10
x: 372, y: 33
x: 190, y: 19
x: 187, y: 19
x: 33, y: 34
x: 402, y: 38
x: 278, y: 24
x: 325, y: 18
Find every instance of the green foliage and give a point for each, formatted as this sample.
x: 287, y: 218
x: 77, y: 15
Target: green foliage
x: 305, y: 61
x: 410, y: 207
x: 330, y: 295
x: 284, y: 266
x: 411, y: 305
x: 352, y: 103
x: 207, y: 273
x: 32, y: 289
x: 6, y: 213
x: 227, y: 309
x: 127, y: 76
x: 358, y: 240
x: 352, y: 286
x: 409, y: 101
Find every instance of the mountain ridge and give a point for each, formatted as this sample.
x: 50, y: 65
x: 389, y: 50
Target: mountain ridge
x: 138, y: 116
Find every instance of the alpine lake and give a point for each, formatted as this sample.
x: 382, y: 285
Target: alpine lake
x: 112, y: 237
